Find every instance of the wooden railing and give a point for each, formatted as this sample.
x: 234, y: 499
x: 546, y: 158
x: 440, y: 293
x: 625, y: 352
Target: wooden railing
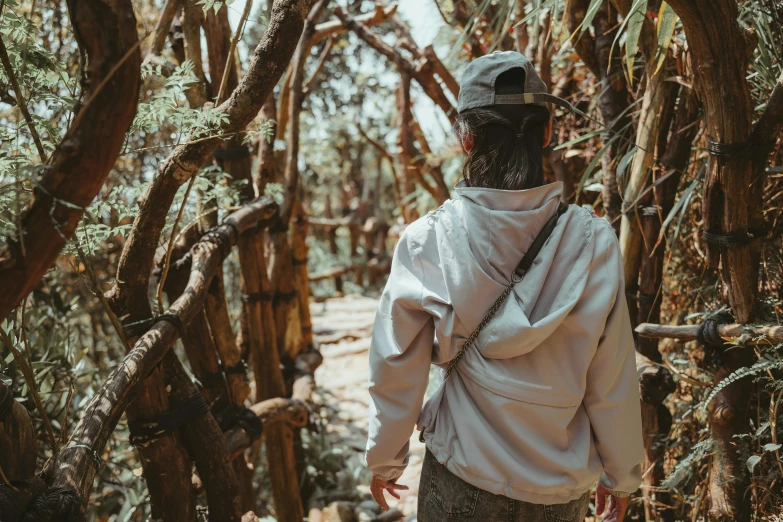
x: 372, y: 232
x: 214, y: 435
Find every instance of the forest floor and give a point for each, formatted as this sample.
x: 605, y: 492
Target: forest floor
x: 343, y: 327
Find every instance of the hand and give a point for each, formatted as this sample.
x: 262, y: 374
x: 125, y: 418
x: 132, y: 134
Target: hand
x: 616, y: 508
x: 378, y: 486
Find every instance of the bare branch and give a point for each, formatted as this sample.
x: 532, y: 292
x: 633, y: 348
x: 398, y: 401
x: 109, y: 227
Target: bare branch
x: 333, y: 27
x: 163, y: 25
x: 423, y: 73
x: 9, y: 71
x: 75, y: 469
x: 308, y: 84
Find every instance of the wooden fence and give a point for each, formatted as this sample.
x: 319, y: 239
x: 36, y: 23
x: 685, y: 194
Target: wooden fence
x: 210, y: 421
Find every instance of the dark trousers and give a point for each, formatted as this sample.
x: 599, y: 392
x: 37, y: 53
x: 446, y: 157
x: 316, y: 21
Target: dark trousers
x: 444, y: 496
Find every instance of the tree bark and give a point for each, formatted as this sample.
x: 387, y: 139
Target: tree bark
x: 266, y: 66
x: 129, y: 297
x: 299, y: 261
x: 106, y: 33
x: 165, y: 461
x: 202, y: 353
x: 204, y: 440
x: 286, y: 303
x: 721, y: 50
x: 655, y: 416
x: 403, y: 142
x: 751, y: 334
x: 332, y: 238
x: 614, y: 97
x: 657, y: 96
x: 290, y: 412
x: 18, y: 456
x: 18, y: 443
x: 219, y: 320
x: 74, y: 470
x: 162, y: 27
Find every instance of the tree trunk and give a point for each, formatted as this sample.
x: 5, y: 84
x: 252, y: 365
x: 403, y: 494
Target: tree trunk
x: 219, y: 320
x: 332, y: 239
x: 269, y: 379
x: 106, y: 33
x: 656, y: 417
x: 720, y: 51
x: 299, y: 258
x: 409, y: 212
x: 613, y: 103
x: 658, y: 95
x: 18, y: 456
x: 165, y: 461
x: 75, y: 470
x: 613, y: 100
x: 205, y: 443
x: 18, y: 443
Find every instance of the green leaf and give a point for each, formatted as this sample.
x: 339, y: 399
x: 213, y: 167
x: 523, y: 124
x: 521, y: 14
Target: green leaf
x: 764, y: 427
x: 681, y: 204
x: 625, y: 161
x: 772, y: 447
x: 752, y: 461
x: 667, y: 21
x: 635, y: 23
x: 638, y: 4
x: 592, y: 10
x: 583, y: 137
x: 683, y: 470
x: 535, y: 12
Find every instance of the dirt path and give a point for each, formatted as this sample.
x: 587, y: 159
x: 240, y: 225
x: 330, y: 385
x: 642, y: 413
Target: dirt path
x: 342, y: 384
x: 344, y: 327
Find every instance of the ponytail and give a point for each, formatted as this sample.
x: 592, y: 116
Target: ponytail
x: 508, y: 141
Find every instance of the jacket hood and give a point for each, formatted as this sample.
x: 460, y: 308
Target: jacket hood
x: 485, y: 233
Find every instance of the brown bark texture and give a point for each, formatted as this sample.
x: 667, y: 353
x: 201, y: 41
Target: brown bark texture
x: 614, y: 98
x: 18, y: 443
x: 720, y: 51
x: 106, y: 32
x: 129, y: 298
x: 266, y: 66
x: 165, y: 461
x: 204, y: 440
x: 266, y: 368
x: 74, y: 470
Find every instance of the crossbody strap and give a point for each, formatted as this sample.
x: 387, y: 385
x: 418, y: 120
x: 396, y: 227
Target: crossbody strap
x: 520, y: 271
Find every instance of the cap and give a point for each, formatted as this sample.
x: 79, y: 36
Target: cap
x: 477, y: 88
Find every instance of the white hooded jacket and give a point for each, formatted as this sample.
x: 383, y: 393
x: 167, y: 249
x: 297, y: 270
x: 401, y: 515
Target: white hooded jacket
x: 549, y: 402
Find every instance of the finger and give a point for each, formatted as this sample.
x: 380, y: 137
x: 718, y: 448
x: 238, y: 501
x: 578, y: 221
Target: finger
x: 600, y: 502
x: 612, y: 513
x: 377, y: 494
x: 397, y: 486
x: 394, y: 494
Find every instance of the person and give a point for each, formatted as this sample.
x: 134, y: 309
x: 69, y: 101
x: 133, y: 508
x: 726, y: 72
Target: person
x: 545, y: 402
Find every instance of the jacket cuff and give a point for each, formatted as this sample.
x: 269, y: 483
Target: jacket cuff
x: 625, y: 487
x: 389, y: 476
x: 618, y: 494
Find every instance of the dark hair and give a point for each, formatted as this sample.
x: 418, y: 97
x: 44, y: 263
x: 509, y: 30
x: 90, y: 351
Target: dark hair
x: 507, y: 140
